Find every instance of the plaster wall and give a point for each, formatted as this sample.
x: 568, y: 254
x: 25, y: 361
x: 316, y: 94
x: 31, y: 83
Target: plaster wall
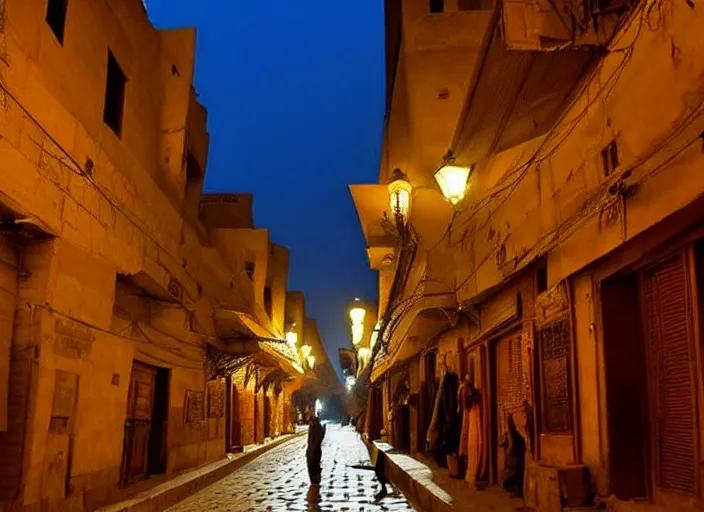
x: 277, y: 280
x: 438, y: 52
x: 119, y: 219
x: 556, y: 199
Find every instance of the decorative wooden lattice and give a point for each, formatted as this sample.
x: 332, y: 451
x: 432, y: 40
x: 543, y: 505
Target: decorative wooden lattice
x: 511, y: 378
x: 554, y: 342
x: 216, y: 399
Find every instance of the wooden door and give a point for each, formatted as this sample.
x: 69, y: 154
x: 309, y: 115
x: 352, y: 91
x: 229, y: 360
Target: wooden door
x: 626, y: 388
x: 234, y: 421
x: 667, y: 314
x: 508, y: 388
x: 140, y: 408
x: 267, y: 416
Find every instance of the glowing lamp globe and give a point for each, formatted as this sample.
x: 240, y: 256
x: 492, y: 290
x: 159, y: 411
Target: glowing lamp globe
x: 292, y: 338
x: 400, y: 194
x: 357, y: 333
x: 452, y: 180
x: 357, y: 315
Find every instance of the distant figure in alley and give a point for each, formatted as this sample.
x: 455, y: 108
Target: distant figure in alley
x: 316, y: 434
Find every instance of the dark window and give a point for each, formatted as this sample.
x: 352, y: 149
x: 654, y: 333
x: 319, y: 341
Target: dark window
x: 249, y: 268
x: 437, y: 5
x: 609, y: 158
x: 469, y: 5
x: 56, y: 17
x: 114, y: 95
x: 541, y: 279
x: 267, y: 301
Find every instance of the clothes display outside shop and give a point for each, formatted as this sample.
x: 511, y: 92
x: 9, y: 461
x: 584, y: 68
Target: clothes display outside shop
x: 314, y: 453
x: 471, y: 444
x: 464, y: 405
x: 443, y: 432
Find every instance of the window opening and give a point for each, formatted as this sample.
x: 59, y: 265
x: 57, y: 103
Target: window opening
x: 114, y: 95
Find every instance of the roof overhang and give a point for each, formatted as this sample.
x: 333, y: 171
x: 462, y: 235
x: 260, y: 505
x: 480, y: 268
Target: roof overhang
x: 414, y: 327
x: 242, y: 334
x: 429, y: 215
x: 372, y: 204
x: 503, y: 112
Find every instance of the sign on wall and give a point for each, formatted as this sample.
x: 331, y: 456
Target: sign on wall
x: 194, y: 406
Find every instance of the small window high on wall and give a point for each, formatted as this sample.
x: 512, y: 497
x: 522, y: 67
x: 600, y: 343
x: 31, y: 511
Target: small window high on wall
x: 437, y: 6
x: 469, y: 5
x: 114, y: 95
x: 56, y: 17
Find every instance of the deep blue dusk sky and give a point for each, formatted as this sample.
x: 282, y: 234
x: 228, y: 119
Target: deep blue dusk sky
x: 295, y: 98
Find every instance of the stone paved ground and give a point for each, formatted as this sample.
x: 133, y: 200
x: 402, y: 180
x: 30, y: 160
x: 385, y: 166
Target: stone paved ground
x: 278, y: 481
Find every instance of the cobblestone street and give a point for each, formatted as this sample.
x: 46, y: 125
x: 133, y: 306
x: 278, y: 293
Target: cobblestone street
x: 278, y: 481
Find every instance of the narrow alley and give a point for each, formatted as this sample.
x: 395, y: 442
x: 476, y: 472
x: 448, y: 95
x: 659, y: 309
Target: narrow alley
x: 278, y: 481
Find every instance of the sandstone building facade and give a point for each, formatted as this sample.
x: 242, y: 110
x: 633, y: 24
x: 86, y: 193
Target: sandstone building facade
x: 143, y: 323
x: 567, y: 281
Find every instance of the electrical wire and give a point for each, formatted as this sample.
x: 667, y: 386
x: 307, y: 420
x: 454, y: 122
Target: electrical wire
x: 511, y: 180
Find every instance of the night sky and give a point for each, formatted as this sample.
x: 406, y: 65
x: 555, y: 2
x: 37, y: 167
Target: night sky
x: 295, y: 99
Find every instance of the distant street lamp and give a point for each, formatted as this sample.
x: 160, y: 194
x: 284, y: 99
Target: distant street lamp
x: 400, y: 196
x: 350, y: 381
x: 292, y: 336
x: 357, y: 315
x: 452, y: 179
x: 364, y: 356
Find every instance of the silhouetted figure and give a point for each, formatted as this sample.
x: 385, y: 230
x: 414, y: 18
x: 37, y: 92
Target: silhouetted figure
x: 515, y: 459
x: 316, y: 434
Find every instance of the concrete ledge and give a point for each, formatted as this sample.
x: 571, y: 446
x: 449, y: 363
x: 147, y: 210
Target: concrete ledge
x: 413, y: 478
x: 430, y: 489
x: 167, y: 494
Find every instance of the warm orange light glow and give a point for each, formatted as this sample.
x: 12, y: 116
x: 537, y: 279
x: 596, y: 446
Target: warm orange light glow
x: 400, y: 194
x: 305, y: 350
x: 357, y: 333
x: 311, y: 362
x: 453, y: 182
x: 357, y: 315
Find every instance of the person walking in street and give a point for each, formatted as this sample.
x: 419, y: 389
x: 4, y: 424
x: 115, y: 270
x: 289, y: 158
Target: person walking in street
x: 314, y: 453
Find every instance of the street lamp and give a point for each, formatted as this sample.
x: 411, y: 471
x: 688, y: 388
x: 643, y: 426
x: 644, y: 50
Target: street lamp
x: 292, y: 336
x: 311, y: 362
x: 357, y: 315
x: 400, y: 196
x: 305, y: 350
x: 452, y: 179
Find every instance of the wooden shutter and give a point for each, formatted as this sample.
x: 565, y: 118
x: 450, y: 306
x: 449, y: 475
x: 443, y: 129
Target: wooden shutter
x: 554, y: 352
x: 667, y: 312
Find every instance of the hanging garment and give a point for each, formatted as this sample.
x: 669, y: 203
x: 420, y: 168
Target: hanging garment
x: 464, y: 400
x: 443, y: 433
x: 476, y: 459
